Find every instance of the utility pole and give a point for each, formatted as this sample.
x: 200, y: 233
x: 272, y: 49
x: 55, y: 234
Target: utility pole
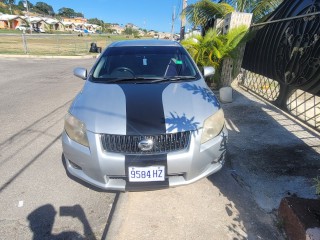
x: 183, y: 20
x: 173, y: 19
x: 26, y: 5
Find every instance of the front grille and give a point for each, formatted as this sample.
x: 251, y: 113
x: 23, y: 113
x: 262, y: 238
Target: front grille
x: 163, y: 143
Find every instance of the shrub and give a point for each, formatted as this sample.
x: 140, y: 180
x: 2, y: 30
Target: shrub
x: 213, y: 48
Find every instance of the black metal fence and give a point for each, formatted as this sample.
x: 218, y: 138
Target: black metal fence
x: 282, y: 62
x: 302, y: 105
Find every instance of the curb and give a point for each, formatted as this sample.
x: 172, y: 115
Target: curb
x: 299, y: 217
x: 48, y: 57
x: 117, y: 217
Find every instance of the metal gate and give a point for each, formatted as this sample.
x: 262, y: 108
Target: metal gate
x: 282, y: 62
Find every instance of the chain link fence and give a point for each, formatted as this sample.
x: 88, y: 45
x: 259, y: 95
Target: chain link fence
x: 306, y: 107
x: 263, y: 86
x: 300, y: 104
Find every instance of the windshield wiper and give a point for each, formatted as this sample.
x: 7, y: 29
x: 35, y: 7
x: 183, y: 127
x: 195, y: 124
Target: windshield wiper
x: 134, y: 79
x: 140, y: 80
x: 173, y: 79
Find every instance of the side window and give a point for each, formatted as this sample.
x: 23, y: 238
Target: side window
x: 188, y: 68
x: 98, y: 72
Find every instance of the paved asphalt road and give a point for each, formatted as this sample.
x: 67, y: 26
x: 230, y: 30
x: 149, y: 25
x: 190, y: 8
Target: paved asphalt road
x: 36, y: 195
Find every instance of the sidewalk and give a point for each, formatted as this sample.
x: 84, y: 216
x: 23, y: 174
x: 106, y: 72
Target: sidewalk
x: 270, y: 156
x: 197, y: 211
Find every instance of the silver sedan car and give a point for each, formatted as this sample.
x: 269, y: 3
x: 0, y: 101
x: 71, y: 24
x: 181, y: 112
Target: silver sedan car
x: 145, y: 119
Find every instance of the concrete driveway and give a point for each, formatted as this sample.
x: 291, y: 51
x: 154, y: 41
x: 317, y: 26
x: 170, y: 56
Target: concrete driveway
x: 271, y: 154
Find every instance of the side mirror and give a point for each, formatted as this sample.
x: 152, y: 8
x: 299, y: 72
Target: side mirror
x: 208, y: 71
x: 80, y: 72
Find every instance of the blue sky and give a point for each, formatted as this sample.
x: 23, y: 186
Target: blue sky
x: 149, y: 14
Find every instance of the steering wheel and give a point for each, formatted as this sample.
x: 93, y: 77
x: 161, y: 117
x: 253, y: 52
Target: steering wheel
x: 124, y: 69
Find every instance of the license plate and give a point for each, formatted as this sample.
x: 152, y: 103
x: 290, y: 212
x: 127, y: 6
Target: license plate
x: 146, y: 174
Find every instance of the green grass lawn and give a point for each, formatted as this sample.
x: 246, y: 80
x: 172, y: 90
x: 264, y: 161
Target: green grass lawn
x: 10, y: 31
x: 54, y: 44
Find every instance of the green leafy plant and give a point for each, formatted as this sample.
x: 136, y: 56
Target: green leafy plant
x: 213, y: 48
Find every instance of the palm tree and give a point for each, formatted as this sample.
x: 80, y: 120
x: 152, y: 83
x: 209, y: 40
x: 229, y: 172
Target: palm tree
x: 204, y: 13
x: 259, y: 8
x: 213, y: 48
x: 263, y: 8
x: 240, y: 5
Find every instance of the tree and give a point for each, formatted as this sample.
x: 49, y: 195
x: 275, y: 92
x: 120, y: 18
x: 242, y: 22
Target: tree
x: 240, y: 5
x: 128, y: 31
x: 9, y: 2
x: 131, y: 31
x: 263, y: 8
x: 4, y: 9
x: 79, y: 14
x: 106, y: 27
x: 67, y: 12
x: 259, y: 8
x: 205, y: 12
x: 95, y: 21
x: 21, y: 6
x: 44, y: 8
x: 143, y: 30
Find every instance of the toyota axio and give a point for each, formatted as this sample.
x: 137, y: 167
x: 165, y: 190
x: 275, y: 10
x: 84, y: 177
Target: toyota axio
x: 145, y: 119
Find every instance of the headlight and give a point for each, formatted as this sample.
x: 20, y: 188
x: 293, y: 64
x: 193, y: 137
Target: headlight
x: 76, y: 130
x: 212, y: 126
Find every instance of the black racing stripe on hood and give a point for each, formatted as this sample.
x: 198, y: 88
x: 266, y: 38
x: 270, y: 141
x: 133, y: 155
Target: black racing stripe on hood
x: 144, y: 108
x: 145, y: 116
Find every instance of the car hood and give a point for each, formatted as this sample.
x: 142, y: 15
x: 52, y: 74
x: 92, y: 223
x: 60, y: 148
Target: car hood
x: 136, y: 109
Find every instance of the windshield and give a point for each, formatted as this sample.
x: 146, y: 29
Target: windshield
x: 144, y: 64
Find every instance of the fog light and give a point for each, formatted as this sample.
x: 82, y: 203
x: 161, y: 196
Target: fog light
x: 75, y: 165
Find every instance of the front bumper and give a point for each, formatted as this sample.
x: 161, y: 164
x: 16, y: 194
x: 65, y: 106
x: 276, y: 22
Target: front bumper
x: 107, y: 170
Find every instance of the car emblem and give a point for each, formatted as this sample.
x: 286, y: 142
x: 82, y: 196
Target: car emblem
x: 145, y: 144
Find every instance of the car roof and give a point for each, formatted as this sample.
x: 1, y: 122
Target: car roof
x: 134, y: 43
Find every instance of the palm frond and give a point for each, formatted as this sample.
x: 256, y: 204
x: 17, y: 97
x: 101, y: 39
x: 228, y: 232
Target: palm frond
x: 240, y: 5
x: 264, y: 7
x: 236, y: 35
x: 204, y: 11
